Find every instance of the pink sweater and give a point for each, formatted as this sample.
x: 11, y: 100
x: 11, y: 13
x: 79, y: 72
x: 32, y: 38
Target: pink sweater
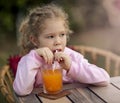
x: 28, y: 72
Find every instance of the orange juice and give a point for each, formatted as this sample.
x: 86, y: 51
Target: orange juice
x: 52, y: 80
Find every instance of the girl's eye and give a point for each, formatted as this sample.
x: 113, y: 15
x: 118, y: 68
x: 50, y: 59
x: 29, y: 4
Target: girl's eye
x: 62, y: 34
x: 50, y: 36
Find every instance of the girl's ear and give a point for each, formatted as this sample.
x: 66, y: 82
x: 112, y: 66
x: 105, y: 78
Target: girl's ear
x: 34, y: 40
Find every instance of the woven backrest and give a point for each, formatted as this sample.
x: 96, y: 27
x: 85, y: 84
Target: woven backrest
x: 102, y: 58
x: 6, y: 81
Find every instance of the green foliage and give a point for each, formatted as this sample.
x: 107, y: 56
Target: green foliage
x: 9, y: 11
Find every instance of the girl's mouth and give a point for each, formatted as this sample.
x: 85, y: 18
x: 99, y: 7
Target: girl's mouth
x: 57, y: 50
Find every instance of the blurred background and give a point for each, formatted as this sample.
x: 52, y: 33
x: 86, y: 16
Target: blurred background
x: 94, y: 22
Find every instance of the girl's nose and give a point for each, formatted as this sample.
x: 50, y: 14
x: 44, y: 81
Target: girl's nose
x: 57, y: 41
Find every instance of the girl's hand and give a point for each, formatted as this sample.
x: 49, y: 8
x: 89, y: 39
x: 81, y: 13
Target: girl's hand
x: 46, y: 53
x: 63, y: 59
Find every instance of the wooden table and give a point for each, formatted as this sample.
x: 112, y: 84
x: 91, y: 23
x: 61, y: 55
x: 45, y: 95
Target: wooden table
x: 81, y: 94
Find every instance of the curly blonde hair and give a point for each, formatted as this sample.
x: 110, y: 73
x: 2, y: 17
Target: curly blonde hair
x: 34, y: 24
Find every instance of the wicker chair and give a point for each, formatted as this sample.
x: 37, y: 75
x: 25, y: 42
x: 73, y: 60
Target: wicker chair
x: 6, y: 80
x: 102, y: 58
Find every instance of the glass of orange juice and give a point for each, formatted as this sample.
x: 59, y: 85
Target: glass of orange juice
x: 52, y: 80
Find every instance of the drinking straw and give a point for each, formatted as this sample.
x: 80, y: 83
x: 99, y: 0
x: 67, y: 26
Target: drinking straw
x: 55, y: 62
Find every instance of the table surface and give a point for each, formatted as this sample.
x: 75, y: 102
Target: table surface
x: 80, y: 94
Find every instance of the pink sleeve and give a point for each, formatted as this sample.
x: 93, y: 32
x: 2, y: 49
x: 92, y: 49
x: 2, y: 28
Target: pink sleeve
x: 26, y: 72
x: 84, y: 72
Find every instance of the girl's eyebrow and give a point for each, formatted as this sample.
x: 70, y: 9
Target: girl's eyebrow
x: 62, y: 32
x: 47, y: 34
x: 55, y: 33
x: 50, y: 34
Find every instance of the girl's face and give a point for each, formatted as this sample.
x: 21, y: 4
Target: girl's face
x: 54, y: 35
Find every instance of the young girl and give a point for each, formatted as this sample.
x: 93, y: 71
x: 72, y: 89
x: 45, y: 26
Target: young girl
x: 45, y: 30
